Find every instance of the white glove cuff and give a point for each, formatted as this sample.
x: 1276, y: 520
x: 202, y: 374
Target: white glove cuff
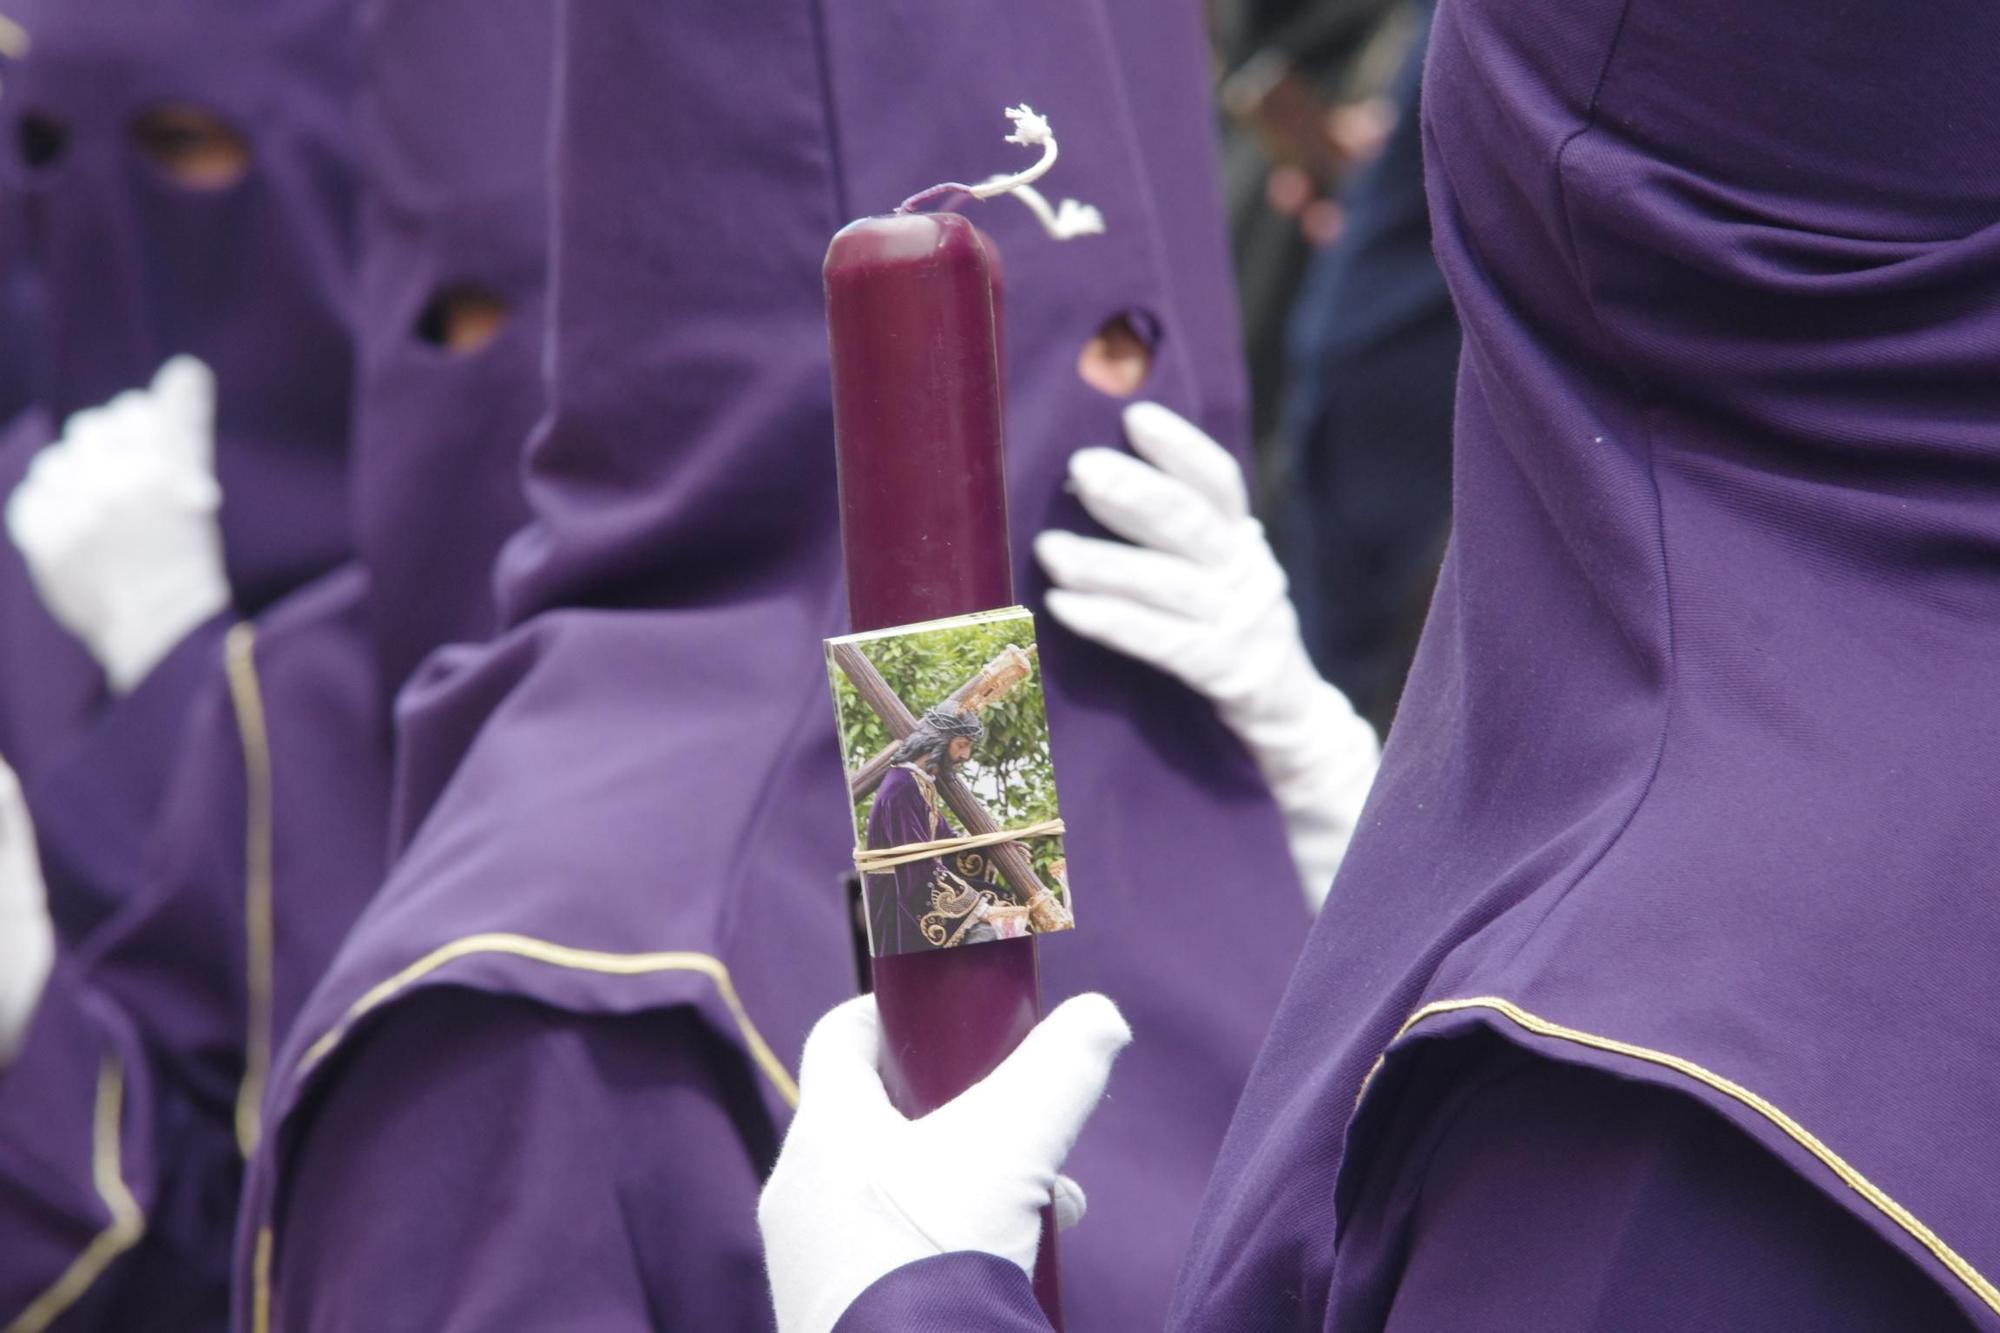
x: 1319, y: 759
x: 146, y: 620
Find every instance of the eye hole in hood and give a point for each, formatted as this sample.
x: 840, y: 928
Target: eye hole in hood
x: 462, y: 318
x: 1117, y: 359
x: 194, y: 147
x: 42, y: 139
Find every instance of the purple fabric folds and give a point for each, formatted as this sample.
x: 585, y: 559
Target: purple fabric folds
x: 1698, y: 753
x: 49, y: 686
x: 632, y: 802
x: 453, y: 129
x: 1515, y: 1194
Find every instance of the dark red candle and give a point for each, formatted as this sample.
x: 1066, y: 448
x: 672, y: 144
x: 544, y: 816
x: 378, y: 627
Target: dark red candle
x: 912, y: 316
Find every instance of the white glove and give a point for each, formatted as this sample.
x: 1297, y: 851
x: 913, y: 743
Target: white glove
x: 27, y: 939
x: 117, y: 522
x: 1201, y: 597
x: 859, y: 1190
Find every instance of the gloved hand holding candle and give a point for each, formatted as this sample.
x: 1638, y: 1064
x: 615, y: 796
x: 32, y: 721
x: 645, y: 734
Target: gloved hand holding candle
x: 860, y: 1190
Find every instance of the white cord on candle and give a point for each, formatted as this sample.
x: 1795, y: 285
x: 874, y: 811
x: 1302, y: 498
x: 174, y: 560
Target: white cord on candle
x: 1065, y: 221
x: 1030, y: 131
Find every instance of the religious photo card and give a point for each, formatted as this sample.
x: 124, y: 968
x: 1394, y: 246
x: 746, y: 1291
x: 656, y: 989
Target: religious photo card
x: 957, y: 830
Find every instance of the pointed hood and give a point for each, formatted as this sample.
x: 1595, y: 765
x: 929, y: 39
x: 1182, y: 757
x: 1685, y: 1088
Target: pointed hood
x: 253, y: 277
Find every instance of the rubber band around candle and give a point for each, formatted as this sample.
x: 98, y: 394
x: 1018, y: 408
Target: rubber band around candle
x: 871, y: 861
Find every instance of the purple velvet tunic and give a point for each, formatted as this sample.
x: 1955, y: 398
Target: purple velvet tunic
x: 274, y: 832
x: 629, y: 810
x: 1693, y: 782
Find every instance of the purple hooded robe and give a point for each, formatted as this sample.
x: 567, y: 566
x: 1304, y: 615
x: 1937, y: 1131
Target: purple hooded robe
x: 274, y: 831
x: 1688, y: 809
x: 590, y: 974
x: 131, y: 267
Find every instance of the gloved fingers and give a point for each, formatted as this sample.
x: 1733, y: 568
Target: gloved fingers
x: 184, y: 388
x: 113, y: 437
x: 1045, y: 1091
x: 1069, y: 1202
x: 1158, y: 638
x: 1144, y: 505
x: 1182, y: 449
x: 46, y: 508
x: 195, y: 491
x: 79, y: 424
x: 837, y: 1072
x: 1165, y: 582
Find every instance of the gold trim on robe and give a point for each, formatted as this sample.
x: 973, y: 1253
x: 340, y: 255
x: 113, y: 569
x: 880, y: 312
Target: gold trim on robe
x: 1870, y: 1192
x: 128, y: 1220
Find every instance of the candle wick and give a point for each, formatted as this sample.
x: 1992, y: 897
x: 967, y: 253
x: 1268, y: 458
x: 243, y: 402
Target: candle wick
x: 1065, y: 220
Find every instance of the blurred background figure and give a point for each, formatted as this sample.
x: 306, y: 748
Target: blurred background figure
x: 1365, y: 444
x: 1347, y: 328
x: 1301, y: 93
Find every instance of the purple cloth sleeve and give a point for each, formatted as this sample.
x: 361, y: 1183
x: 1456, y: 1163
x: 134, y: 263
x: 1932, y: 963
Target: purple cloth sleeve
x: 1513, y: 1192
x: 50, y: 1207
x: 86, y: 1097
x: 95, y: 802
x: 486, y: 1162
x: 964, y: 1292
x: 113, y: 1194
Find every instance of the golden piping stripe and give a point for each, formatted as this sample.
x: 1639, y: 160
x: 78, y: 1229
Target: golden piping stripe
x: 581, y: 960
x: 246, y: 696
x: 128, y: 1222
x: 260, y: 1295
x: 1736, y: 1092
